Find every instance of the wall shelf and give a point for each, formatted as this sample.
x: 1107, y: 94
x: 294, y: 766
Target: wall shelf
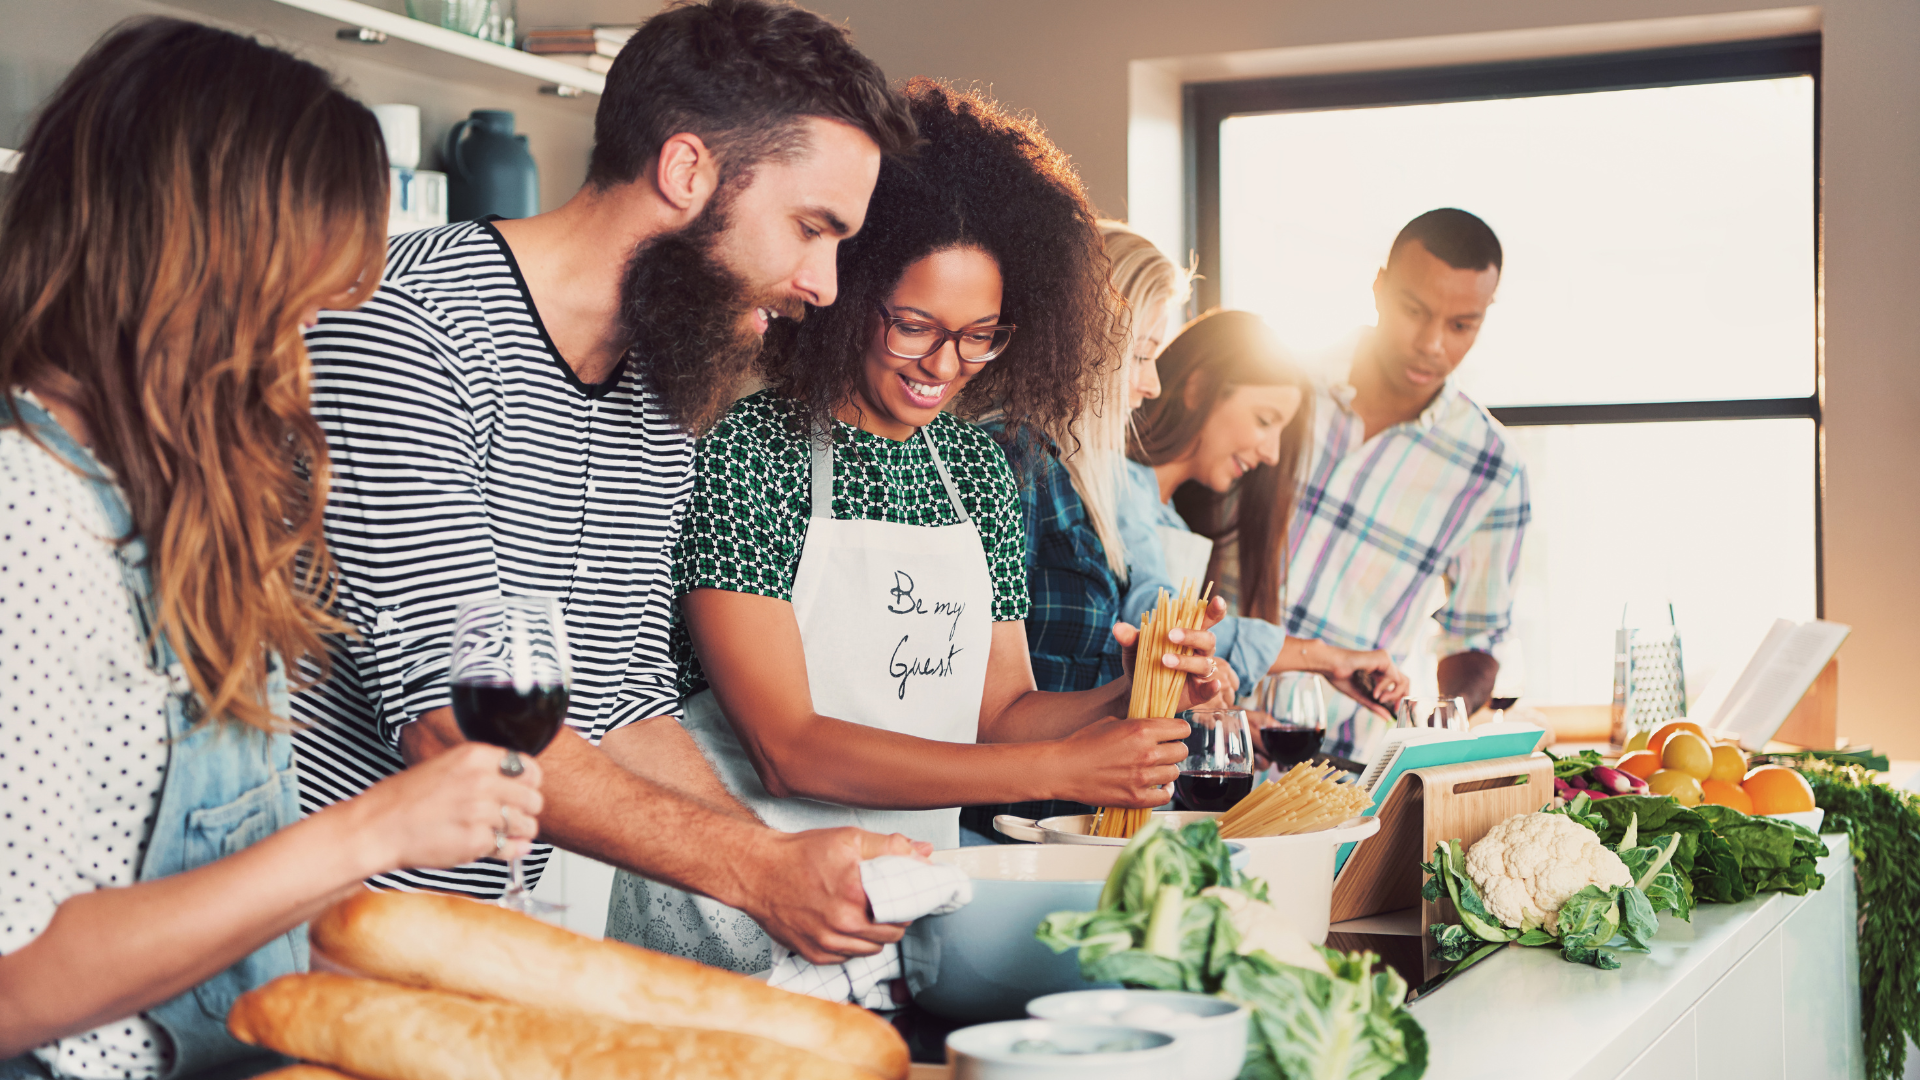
x: 410, y: 44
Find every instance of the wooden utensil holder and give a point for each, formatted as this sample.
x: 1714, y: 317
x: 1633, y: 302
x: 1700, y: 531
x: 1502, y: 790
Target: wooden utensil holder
x: 1445, y: 802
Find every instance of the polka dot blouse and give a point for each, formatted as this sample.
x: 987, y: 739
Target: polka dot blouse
x: 83, y: 729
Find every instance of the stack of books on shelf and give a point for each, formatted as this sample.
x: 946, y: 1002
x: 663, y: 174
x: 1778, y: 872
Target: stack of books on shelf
x: 590, y: 47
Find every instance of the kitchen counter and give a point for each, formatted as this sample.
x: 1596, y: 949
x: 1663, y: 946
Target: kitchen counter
x: 1767, y: 989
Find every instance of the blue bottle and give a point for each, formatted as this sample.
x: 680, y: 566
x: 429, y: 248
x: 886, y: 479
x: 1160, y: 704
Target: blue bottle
x: 489, y: 169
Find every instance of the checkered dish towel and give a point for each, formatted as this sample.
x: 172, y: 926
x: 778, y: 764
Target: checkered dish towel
x: 899, y: 889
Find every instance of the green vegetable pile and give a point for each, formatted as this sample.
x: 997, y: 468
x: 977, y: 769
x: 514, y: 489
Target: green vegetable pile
x: 1175, y: 915
x: 1882, y: 825
x: 1724, y: 856
x: 1589, y: 922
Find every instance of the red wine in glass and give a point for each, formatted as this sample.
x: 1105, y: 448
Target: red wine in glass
x: 501, y: 715
x: 508, y: 676
x: 1288, y: 745
x: 1501, y: 704
x: 1212, y: 791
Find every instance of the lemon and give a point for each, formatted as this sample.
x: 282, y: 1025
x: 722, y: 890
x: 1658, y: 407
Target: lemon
x: 1729, y: 764
x: 1684, y: 787
x: 1689, y: 753
x: 1638, y: 742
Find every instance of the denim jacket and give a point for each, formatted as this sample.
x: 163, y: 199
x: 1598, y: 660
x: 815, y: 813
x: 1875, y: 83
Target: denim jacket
x: 227, y: 785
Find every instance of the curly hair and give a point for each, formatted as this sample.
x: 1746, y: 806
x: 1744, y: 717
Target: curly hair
x: 981, y: 178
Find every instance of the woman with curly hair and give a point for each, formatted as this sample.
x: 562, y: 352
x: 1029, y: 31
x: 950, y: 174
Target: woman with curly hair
x: 852, y: 567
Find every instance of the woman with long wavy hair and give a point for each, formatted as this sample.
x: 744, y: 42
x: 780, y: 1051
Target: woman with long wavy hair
x: 184, y: 203
x: 852, y: 567
x: 1217, y: 455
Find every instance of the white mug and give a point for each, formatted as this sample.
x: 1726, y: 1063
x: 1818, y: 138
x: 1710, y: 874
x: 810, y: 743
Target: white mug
x: 400, y: 126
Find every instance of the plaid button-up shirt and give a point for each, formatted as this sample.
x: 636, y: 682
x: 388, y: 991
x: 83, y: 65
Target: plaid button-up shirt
x: 1377, y: 519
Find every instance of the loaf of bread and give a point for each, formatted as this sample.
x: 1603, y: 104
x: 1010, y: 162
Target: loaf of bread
x: 382, y: 1031
x: 304, y: 1072
x: 450, y: 943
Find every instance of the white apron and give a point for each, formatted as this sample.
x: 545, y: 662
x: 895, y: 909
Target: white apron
x: 896, y: 622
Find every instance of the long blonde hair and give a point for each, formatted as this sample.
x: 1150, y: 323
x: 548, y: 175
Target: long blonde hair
x: 1145, y: 281
x: 181, y: 200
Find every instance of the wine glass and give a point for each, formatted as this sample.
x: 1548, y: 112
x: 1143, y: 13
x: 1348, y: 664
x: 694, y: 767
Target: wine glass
x: 1298, y: 704
x: 1218, y: 771
x: 1449, y: 714
x: 510, y: 677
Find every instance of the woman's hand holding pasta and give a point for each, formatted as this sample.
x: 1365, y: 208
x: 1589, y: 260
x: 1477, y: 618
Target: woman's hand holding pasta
x: 1129, y: 763
x: 1207, y: 677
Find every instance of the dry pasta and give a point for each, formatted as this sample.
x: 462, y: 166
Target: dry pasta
x: 1157, y: 688
x: 1306, y: 799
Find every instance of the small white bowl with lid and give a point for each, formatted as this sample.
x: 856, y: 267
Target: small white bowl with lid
x: 1061, y: 1050
x: 1210, y: 1033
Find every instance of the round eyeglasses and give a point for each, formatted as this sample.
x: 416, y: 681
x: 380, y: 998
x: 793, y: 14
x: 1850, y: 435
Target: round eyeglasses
x: 916, y: 339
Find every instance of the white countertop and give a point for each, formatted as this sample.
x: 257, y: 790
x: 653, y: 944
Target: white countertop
x: 1527, y: 1012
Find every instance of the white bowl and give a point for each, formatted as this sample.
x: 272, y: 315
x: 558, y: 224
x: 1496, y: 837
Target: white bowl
x: 1092, y: 1051
x: 1810, y: 818
x: 1210, y: 1032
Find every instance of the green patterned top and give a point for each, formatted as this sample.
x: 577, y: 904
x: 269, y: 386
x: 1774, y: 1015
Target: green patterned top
x: 747, y: 517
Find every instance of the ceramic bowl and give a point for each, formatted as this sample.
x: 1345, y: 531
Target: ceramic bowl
x: 1210, y: 1033
x: 982, y: 962
x: 1051, y: 1050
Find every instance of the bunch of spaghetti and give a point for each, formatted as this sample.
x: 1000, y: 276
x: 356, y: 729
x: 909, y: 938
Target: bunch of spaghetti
x: 1156, y: 687
x: 1306, y: 799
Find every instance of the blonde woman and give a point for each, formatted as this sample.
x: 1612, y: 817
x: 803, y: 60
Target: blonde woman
x: 184, y: 203
x: 1070, y: 493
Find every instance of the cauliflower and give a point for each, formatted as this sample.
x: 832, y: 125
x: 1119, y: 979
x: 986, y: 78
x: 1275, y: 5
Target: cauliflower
x: 1527, y: 866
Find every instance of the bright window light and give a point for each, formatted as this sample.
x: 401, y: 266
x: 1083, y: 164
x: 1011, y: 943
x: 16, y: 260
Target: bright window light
x: 1659, y: 247
x: 1659, y: 242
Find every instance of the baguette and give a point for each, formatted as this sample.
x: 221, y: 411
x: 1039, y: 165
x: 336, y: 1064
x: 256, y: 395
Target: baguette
x: 450, y: 943
x: 381, y: 1031
x: 304, y: 1072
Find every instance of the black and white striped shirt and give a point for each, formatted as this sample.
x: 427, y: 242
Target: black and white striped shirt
x: 469, y: 461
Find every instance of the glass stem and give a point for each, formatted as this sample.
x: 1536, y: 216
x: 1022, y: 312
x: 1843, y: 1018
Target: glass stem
x: 516, y: 882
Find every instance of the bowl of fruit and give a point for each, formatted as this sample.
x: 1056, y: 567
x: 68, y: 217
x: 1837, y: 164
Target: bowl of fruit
x: 1683, y: 760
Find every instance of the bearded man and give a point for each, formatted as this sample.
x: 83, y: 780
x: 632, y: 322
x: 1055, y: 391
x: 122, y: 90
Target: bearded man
x: 511, y: 414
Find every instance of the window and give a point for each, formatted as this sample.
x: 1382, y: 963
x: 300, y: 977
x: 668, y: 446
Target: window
x: 1653, y: 348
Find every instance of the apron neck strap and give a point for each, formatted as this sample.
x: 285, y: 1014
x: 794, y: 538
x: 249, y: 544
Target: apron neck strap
x: 822, y: 454
x: 946, y: 481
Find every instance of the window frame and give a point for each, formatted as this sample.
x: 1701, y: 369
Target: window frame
x: 1205, y: 105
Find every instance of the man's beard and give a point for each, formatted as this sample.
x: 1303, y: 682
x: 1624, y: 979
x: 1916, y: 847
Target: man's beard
x: 685, y: 312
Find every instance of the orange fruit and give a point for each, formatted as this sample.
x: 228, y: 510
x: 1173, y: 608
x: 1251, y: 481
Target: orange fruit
x: 1729, y: 764
x: 1640, y: 763
x: 1721, y: 793
x: 1776, y: 789
x: 1666, y: 731
x: 1684, y: 787
x: 1689, y: 753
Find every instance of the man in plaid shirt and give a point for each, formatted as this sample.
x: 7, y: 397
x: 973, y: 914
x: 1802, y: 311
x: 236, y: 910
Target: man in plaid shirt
x: 1409, y: 478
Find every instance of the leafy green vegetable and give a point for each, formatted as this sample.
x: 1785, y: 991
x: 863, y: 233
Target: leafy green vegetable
x: 1575, y: 764
x: 1313, y: 1027
x: 1882, y: 825
x: 1724, y: 855
x: 1593, y: 918
x: 1154, y: 929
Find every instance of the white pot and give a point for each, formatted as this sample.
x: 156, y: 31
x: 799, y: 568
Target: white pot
x: 1298, y: 870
